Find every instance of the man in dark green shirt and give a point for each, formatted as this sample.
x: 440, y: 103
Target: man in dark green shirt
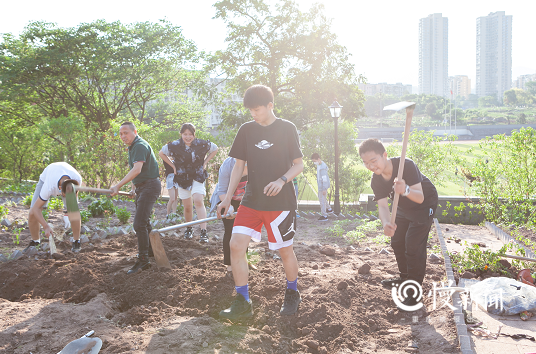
x: 145, y: 183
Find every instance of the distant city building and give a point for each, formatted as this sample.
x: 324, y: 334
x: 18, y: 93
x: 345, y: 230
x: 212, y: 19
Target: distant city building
x: 397, y: 89
x: 522, y: 80
x: 493, y: 54
x: 460, y: 85
x: 433, y: 55
x: 214, y: 117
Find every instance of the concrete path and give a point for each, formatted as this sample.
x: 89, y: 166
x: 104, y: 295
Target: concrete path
x: 511, y: 324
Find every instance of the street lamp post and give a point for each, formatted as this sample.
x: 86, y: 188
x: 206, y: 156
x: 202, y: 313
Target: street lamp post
x: 335, y: 110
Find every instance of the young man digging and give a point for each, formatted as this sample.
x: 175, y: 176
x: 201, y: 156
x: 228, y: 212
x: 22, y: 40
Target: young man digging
x: 51, y: 183
x: 271, y: 148
x: 416, y: 209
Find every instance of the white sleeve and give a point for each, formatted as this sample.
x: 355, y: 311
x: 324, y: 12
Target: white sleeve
x: 165, y: 150
x: 47, y: 190
x: 213, y: 147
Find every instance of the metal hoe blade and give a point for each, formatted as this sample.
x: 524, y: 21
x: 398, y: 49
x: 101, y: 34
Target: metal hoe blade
x: 398, y: 106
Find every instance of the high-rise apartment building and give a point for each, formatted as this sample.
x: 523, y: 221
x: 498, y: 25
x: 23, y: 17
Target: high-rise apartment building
x: 493, y: 54
x: 460, y: 85
x: 433, y: 55
x: 522, y: 80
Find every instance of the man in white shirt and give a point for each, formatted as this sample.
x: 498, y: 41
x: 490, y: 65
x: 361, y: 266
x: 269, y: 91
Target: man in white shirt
x: 49, y: 185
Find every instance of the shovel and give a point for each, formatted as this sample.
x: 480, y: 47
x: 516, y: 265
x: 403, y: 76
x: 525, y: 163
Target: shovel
x: 83, y: 345
x: 156, y: 243
x: 410, y: 107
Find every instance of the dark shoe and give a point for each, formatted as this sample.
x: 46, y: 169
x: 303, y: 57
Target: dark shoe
x: 32, y: 244
x: 76, y: 246
x: 389, y: 283
x: 141, y: 264
x: 323, y: 218
x: 291, y: 303
x: 189, y: 233
x: 239, y: 310
x: 203, y: 237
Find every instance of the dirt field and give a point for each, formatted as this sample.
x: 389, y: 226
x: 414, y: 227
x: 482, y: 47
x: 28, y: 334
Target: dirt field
x: 45, y: 303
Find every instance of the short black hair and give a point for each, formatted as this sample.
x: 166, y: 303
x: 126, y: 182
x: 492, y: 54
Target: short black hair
x: 188, y: 126
x: 130, y: 125
x: 371, y: 145
x: 315, y: 156
x: 258, y: 95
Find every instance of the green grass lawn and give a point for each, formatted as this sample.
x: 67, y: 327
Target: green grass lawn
x: 453, y: 187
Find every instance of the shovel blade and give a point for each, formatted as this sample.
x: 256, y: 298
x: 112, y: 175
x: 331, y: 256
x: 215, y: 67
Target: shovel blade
x: 71, y: 203
x: 158, y: 250
x: 398, y: 106
x: 51, y: 244
x: 83, y: 345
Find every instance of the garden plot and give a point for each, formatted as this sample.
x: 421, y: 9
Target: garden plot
x: 48, y: 302
x: 474, y: 255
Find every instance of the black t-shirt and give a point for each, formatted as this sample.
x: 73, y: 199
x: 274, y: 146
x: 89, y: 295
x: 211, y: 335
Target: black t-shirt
x: 269, y: 152
x: 411, y: 175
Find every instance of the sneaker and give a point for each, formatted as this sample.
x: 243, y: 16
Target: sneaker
x: 389, y: 283
x: 76, y: 246
x: 291, y: 303
x: 189, y: 233
x: 330, y: 211
x: 141, y: 264
x: 32, y: 244
x: 240, y: 309
x: 323, y: 218
x: 203, y: 237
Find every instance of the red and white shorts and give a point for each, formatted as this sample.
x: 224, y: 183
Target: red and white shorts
x: 280, y: 225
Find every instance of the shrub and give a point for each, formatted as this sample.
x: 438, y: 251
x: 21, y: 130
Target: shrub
x: 85, y: 215
x: 101, y: 206
x: 122, y: 214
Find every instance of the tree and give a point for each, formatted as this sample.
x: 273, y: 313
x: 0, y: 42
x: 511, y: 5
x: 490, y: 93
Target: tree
x: 431, y: 110
x: 522, y: 118
x: 353, y: 177
x: 510, y: 97
x: 97, y: 70
x: 487, y: 101
x: 292, y: 52
x: 531, y: 87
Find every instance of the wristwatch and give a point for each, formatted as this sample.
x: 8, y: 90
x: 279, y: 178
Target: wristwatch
x: 284, y: 179
x: 406, y: 192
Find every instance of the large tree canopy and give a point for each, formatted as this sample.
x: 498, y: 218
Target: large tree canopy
x: 97, y: 70
x: 292, y: 52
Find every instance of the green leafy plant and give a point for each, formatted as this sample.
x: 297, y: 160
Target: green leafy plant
x: 27, y: 201
x: 253, y: 257
x: 102, y: 206
x: 381, y: 240
x: 45, y: 214
x: 55, y: 203
x: 3, y: 211
x: 363, y: 230
x: 122, y: 214
x: 338, y: 228
x: 85, y: 215
x: 16, y: 235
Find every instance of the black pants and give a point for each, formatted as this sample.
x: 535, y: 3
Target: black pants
x: 146, y: 196
x: 228, y: 227
x: 409, y: 243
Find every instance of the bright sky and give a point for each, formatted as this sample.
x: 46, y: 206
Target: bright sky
x: 382, y: 36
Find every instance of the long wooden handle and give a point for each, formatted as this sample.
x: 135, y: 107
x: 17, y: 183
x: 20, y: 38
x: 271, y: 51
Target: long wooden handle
x: 520, y: 258
x: 409, y: 116
x: 191, y: 223
x: 99, y: 190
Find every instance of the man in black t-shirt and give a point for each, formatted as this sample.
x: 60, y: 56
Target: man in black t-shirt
x: 271, y: 148
x: 416, y: 209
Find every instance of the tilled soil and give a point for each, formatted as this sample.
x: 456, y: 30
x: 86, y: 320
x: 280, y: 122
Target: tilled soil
x: 47, y: 302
